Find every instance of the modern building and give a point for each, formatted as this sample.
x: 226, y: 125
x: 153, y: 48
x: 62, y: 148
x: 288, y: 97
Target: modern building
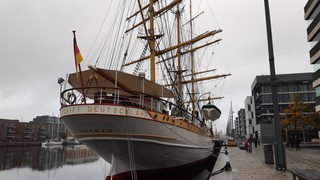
x: 52, y: 126
x: 41, y: 128
x: 240, y: 125
x: 312, y: 15
x: 236, y: 128
x: 8, y: 129
x: 253, y: 129
x: 289, y: 86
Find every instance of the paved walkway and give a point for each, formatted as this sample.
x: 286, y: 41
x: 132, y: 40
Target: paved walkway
x: 252, y: 165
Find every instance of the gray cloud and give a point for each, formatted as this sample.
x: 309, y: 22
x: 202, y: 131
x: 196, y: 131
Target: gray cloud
x: 36, y: 48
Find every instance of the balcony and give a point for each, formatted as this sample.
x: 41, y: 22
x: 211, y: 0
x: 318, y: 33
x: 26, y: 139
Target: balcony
x: 310, y: 8
x: 27, y: 136
x: 314, y: 29
x: 10, y: 125
x: 10, y: 135
x: 11, y: 130
x: 315, y: 53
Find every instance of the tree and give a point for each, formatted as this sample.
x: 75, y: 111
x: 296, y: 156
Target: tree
x: 315, y: 120
x: 297, y: 114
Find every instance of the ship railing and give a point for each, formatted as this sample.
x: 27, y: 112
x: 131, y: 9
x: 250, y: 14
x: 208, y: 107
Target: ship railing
x: 115, y: 96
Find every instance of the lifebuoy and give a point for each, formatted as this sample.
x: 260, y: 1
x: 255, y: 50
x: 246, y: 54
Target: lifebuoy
x: 71, y: 98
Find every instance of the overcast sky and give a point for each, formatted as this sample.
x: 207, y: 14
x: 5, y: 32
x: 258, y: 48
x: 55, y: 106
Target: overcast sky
x: 36, y: 48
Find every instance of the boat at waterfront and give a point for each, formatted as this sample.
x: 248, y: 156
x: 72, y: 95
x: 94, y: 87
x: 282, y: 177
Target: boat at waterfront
x: 53, y: 143
x: 146, y: 127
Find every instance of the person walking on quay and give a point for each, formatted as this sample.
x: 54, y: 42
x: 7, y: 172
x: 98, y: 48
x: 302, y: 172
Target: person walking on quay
x: 297, y: 143
x: 249, y: 145
x: 255, y: 141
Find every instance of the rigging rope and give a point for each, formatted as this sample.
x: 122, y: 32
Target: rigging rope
x: 118, y: 32
x: 144, y: 51
x: 96, y: 38
x: 132, y: 162
x: 105, y: 43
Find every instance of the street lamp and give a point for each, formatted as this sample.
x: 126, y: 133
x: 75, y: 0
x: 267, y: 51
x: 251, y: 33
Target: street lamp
x: 279, y: 149
x: 60, y: 81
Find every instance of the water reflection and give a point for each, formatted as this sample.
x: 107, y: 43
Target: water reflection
x: 76, y: 162
x: 41, y: 159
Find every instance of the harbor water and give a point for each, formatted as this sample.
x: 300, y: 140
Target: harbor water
x: 54, y: 163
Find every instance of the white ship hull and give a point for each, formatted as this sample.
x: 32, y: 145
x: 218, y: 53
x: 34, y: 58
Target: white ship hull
x: 129, y: 139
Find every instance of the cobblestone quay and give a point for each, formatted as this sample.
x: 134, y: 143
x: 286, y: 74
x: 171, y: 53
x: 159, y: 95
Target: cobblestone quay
x: 252, y: 165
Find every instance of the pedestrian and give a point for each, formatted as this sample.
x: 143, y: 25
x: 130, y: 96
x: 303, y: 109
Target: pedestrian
x: 249, y: 145
x: 246, y: 144
x: 297, y: 143
x: 255, y: 143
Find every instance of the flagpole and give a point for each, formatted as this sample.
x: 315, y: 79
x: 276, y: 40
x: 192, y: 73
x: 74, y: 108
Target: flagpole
x: 83, y: 93
x: 78, y: 64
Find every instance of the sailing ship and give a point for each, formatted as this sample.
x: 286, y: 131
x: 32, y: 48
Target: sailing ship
x: 146, y: 126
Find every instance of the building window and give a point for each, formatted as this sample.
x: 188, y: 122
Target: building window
x: 302, y: 87
x: 284, y: 98
x: 266, y: 98
x: 312, y: 96
x: 291, y: 97
x: 266, y: 89
x: 293, y: 88
x: 283, y: 89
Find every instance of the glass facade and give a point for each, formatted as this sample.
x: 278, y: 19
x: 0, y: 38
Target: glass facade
x: 288, y: 87
x: 312, y: 16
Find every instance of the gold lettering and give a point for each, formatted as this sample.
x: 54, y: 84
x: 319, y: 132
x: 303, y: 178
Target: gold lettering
x: 96, y: 109
x: 66, y: 110
x: 102, y: 109
x: 121, y: 110
x: 78, y: 108
x: 89, y: 109
x: 114, y: 110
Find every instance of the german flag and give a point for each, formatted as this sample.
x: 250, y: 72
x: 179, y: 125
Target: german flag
x: 77, y: 56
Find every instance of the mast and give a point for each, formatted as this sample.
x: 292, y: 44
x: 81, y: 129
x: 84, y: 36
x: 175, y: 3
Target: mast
x: 179, y: 55
x: 152, y: 44
x: 192, y: 65
x: 150, y: 36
